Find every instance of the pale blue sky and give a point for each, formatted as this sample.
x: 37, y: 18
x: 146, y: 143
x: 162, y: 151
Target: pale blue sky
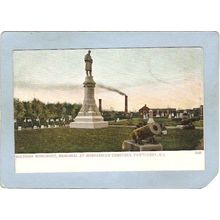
x: 158, y: 77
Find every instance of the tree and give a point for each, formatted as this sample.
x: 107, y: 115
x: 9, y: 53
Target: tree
x: 19, y: 110
x: 52, y: 110
x: 37, y: 108
x: 28, y: 109
x: 46, y: 112
x: 59, y: 109
x: 76, y: 108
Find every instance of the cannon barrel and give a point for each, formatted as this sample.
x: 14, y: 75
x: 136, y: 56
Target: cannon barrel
x: 146, y: 131
x: 189, y: 120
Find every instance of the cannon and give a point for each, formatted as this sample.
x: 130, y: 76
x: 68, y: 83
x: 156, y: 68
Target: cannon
x: 187, y: 123
x: 146, y: 133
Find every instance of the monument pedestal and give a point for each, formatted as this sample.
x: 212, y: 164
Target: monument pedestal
x: 89, y: 115
x: 89, y: 121
x: 130, y: 145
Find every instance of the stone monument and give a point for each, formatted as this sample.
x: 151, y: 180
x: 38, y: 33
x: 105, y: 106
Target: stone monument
x: 158, y: 114
x: 151, y: 119
x: 89, y: 115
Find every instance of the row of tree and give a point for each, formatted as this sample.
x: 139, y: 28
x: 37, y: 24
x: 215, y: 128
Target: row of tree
x: 36, y: 113
x: 36, y: 109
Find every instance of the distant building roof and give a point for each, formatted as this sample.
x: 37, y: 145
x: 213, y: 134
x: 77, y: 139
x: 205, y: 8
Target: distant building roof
x: 144, y: 108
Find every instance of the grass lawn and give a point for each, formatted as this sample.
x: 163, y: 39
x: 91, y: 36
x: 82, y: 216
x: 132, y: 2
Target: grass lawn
x: 133, y: 121
x: 165, y: 121
x: 70, y: 140
x: 198, y: 123
x: 178, y: 139
x: 95, y: 140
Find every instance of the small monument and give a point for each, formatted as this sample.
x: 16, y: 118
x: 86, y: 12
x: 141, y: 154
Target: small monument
x: 158, y: 114
x: 151, y: 119
x: 145, y: 116
x: 89, y: 115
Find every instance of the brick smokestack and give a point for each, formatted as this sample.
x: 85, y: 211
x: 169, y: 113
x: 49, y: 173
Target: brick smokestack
x: 100, y: 105
x: 126, y: 104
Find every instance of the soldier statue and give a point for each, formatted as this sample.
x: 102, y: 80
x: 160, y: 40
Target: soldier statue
x: 88, y: 61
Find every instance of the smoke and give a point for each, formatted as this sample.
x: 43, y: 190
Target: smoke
x: 63, y: 87
x: 111, y: 89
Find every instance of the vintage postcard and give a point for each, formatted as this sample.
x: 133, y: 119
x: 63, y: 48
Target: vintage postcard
x: 109, y: 100
x: 109, y: 108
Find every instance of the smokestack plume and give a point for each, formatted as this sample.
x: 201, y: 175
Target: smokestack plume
x: 100, y: 105
x: 126, y: 104
x: 111, y: 89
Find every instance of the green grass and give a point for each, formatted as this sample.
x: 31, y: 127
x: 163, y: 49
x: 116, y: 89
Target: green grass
x: 133, y: 121
x: 198, y: 123
x: 95, y: 140
x: 136, y: 121
x: 165, y: 121
x: 70, y: 140
x: 178, y: 139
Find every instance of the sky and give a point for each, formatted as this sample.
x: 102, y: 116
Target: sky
x: 157, y: 77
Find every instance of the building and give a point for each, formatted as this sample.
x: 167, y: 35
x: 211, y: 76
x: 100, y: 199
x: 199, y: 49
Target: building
x: 164, y: 112
x: 144, y: 112
x: 170, y: 112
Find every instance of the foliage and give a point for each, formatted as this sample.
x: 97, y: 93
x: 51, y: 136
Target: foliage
x: 36, y: 109
x: 19, y: 109
x: 114, y: 115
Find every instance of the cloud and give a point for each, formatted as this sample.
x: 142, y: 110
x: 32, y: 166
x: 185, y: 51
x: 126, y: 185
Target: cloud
x: 38, y: 85
x: 158, y: 76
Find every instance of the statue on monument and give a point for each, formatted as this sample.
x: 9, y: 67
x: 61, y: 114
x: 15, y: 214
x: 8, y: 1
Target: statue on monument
x: 88, y: 61
x: 89, y: 116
